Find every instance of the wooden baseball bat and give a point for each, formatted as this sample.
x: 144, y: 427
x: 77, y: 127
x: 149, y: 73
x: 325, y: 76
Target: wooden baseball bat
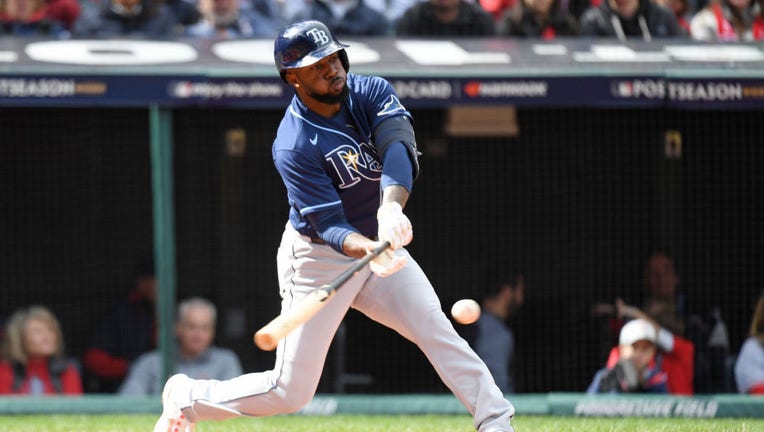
x: 268, y: 337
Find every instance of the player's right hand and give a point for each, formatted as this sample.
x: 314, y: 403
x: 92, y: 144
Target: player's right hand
x: 394, y: 226
x: 387, y: 263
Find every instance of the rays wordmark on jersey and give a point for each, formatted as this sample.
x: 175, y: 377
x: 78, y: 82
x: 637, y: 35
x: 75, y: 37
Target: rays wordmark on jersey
x: 352, y: 163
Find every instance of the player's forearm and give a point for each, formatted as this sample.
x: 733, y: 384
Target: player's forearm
x: 395, y: 193
x: 357, y: 245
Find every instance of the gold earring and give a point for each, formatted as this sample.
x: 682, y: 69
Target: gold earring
x: 296, y: 85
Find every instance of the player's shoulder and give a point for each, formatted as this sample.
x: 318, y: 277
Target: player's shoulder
x: 292, y: 130
x: 368, y: 85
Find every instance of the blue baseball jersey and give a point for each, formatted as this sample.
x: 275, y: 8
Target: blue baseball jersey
x: 332, y: 164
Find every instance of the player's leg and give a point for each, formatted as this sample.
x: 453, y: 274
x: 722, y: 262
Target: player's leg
x: 407, y: 303
x: 300, y: 356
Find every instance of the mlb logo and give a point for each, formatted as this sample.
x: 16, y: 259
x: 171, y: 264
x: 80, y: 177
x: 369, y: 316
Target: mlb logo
x: 625, y: 89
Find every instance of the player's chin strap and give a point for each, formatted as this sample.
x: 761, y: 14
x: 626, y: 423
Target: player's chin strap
x: 397, y: 129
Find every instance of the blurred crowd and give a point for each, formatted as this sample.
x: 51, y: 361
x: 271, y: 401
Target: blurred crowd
x: 707, y: 20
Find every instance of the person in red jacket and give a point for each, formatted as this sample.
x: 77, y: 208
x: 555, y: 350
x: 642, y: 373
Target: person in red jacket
x: 35, y: 363
x: 633, y: 368
x: 127, y: 330
x: 675, y: 355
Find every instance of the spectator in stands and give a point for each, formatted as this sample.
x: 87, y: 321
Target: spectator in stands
x: 494, y: 341
x: 728, y: 20
x: 749, y: 365
x: 635, y: 370
x: 151, y: 19
x: 578, y: 7
x: 127, y: 330
x: 197, y: 357
x: 681, y: 9
x: 64, y: 11
x: 392, y: 9
x: 542, y: 19
x: 446, y: 18
x: 624, y: 19
x: 36, y: 363
x: 666, y: 304
x: 498, y: 9
x: 27, y: 18
x: 347, y: 17
x: 185, y: 13
x: 671, y: 358
x: 226, y: 19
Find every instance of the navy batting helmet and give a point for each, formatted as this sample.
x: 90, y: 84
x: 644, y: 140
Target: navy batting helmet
x: 305, y: 42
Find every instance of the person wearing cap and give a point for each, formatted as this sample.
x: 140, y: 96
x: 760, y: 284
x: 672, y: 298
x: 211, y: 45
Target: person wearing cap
x: 636, y: 369
x: 648, y: 359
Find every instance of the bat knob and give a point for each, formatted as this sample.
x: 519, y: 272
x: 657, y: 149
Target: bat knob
x: 264, y: 341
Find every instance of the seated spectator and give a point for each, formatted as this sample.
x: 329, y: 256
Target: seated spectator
x: 36, y: 363
x: 675, y: 355
x: 446, y: 18
x: 25, y: 18
x: 539, y: 19
x: 495, y: 341
x: 681, y: 9
x: 632, y: 368
x: 578, y: 7
x: 197, y: 358
x: 185, y: 13
x: 226, y: 19
x: 150, y: 19
x: 630, y: 18
x: 704, y: 327
x: 347, y: 17
x: 498, y: 9
x: 728, y: 20
x: 749, y: 365
x: 126, y: 331
x: 64, y: 11
x: 392, y: 9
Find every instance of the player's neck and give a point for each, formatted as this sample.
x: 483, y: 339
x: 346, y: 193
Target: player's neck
x: 323, y: 109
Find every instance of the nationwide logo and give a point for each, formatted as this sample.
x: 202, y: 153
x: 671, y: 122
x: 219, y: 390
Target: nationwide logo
x: 428, y: 89
x: 639, y: 89
x: 500, y: 89
x: 226, y: 89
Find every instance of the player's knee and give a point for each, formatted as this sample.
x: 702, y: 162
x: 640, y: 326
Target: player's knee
x: 296, y: 401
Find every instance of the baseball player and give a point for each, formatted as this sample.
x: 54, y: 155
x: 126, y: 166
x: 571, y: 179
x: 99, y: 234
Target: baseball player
x: 347, y: 155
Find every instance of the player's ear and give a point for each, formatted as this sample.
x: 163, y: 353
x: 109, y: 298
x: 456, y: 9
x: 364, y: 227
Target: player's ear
x: 291, y: 79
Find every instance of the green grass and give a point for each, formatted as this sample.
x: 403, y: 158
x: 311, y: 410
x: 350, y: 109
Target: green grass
x: 364, y: 423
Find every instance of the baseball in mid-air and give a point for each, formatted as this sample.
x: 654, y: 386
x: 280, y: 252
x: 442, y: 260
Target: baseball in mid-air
x: 465, y: 311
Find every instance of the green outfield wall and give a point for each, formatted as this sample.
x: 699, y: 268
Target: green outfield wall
x: 562, y: 404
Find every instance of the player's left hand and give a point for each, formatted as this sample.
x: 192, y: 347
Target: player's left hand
x: 387, y: 263
x: 394, y: 226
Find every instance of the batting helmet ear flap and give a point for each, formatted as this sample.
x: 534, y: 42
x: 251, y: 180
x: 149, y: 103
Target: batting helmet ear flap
x: 344, y: 60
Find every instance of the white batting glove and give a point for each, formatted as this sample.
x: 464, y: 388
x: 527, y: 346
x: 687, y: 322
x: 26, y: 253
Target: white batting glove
x: 387, y: 263
x: 394, y: 226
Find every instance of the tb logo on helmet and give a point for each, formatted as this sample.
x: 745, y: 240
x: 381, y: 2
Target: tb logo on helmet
x: 319, y: 36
